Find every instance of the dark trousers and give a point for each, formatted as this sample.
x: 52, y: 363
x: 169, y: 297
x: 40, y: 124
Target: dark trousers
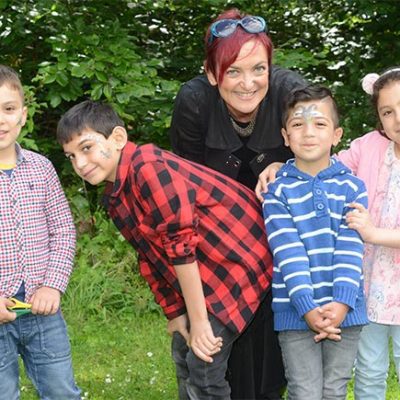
x: 255, y: 366
x: 197, y: 379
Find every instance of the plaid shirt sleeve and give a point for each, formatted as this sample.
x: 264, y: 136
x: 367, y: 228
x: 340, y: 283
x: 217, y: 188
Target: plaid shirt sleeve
x: 170, y: 300
x: 170, y: 203
x: 62, y: 234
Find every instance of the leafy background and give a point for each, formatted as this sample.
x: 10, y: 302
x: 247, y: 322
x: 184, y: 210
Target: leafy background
x: 136, y: 54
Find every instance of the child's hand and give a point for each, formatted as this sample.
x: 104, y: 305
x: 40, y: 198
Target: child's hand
x: 45, y: 301
x: 266, y: 176
x: 333, y: 314
x: 322, y: 324
x: 360, y: 220
x: 202, y: 340
x: 314, y: 319
x: 335, y: 311
x: 5, y: 314
x: 179, y: 324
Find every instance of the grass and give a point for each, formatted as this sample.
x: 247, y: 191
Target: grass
x: 121, y: 359
x: 129, y: 359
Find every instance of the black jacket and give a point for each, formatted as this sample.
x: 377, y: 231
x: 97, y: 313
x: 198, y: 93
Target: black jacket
x: 201, y: 130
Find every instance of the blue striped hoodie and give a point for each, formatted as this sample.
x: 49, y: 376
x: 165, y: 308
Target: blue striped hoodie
x: 317, y: 258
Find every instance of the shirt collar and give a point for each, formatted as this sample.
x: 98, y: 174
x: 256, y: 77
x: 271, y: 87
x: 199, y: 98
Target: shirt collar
x: 20, y: 155
x: 113, y: 189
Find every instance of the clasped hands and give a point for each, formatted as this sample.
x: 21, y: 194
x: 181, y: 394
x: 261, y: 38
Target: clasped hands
x: 326, y: 319
x: 200, y: 339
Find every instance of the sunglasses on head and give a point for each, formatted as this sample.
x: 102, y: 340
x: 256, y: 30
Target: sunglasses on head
x: 225, y: 27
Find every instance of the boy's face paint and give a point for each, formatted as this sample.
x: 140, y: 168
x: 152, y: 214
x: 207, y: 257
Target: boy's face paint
x: 12, y: 118
x: 310, y: 132
x: 308, y: 113
x: 105, y: 152
x: 94, y: 157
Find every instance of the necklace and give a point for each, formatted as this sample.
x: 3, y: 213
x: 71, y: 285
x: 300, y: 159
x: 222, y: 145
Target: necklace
x: 246, y: 131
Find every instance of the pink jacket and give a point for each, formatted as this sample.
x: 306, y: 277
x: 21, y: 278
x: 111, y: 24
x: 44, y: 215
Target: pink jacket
x: 365, y: 158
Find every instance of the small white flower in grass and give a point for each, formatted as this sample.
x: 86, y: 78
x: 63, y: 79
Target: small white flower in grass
x: 108, y: 379
x: 152, y: 380
x: 149, y: 354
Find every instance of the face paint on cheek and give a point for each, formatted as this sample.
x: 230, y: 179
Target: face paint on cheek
x: 19, y: 122
x: 106, y: 153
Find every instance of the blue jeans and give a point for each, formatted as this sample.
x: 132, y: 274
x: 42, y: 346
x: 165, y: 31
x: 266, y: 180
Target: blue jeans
x: 372, y: 362
x: 42, y: 342
x: 197, y: 379
x: 316, y: 371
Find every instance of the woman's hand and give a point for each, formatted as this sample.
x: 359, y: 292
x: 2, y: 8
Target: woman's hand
x: 267, y: 176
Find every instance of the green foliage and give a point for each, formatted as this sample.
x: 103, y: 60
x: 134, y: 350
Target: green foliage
x: 135, y: 54
x: 106, y: 282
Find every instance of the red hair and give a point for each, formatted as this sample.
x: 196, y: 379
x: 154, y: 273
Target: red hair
x: 222, y: 52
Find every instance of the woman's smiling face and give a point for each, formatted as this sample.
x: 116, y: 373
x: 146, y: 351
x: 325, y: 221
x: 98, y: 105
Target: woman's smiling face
x: 245, y: 82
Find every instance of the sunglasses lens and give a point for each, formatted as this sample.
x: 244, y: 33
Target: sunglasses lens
x: 224, y: 28
x: 253, y: 24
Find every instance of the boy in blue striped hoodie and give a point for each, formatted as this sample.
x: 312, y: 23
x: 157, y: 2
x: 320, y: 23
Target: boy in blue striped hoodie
x: 317, y: 288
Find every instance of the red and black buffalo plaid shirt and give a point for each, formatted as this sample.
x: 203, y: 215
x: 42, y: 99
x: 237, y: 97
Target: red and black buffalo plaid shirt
x: 174, y: 212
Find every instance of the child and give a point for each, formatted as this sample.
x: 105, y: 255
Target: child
x: 317, y: 280
x: 199, y: 237
x: 375, y: 158
x: 37, y: 241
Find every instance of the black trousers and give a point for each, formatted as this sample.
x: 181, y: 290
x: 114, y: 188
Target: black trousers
x: 255, y: 367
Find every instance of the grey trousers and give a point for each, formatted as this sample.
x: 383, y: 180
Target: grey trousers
x: 318, y: 371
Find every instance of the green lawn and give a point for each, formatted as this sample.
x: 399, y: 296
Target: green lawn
x: 129, y: 359
x: 120, y: 360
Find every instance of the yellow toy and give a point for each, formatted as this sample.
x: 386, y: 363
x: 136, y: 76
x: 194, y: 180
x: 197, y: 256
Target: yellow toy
x: 19, y: 307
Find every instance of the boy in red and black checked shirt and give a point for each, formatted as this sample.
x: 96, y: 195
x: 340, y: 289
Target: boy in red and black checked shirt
x: 199, y: 236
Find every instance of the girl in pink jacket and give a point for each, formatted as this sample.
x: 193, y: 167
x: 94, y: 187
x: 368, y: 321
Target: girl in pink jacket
x: 375, y: 158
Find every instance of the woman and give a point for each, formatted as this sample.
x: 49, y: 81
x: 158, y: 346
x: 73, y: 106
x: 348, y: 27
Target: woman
x: 230, y: 120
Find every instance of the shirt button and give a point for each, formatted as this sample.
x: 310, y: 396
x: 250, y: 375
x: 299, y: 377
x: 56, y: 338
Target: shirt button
x: 318, y: 191
x: 320, y: 206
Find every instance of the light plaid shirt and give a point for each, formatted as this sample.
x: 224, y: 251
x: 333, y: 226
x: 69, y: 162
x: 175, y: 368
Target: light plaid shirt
x: 37, y: 234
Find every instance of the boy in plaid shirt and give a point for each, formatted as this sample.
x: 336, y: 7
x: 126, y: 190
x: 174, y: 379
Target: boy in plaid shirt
x: 37, y: 245
x: 199, y: 237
